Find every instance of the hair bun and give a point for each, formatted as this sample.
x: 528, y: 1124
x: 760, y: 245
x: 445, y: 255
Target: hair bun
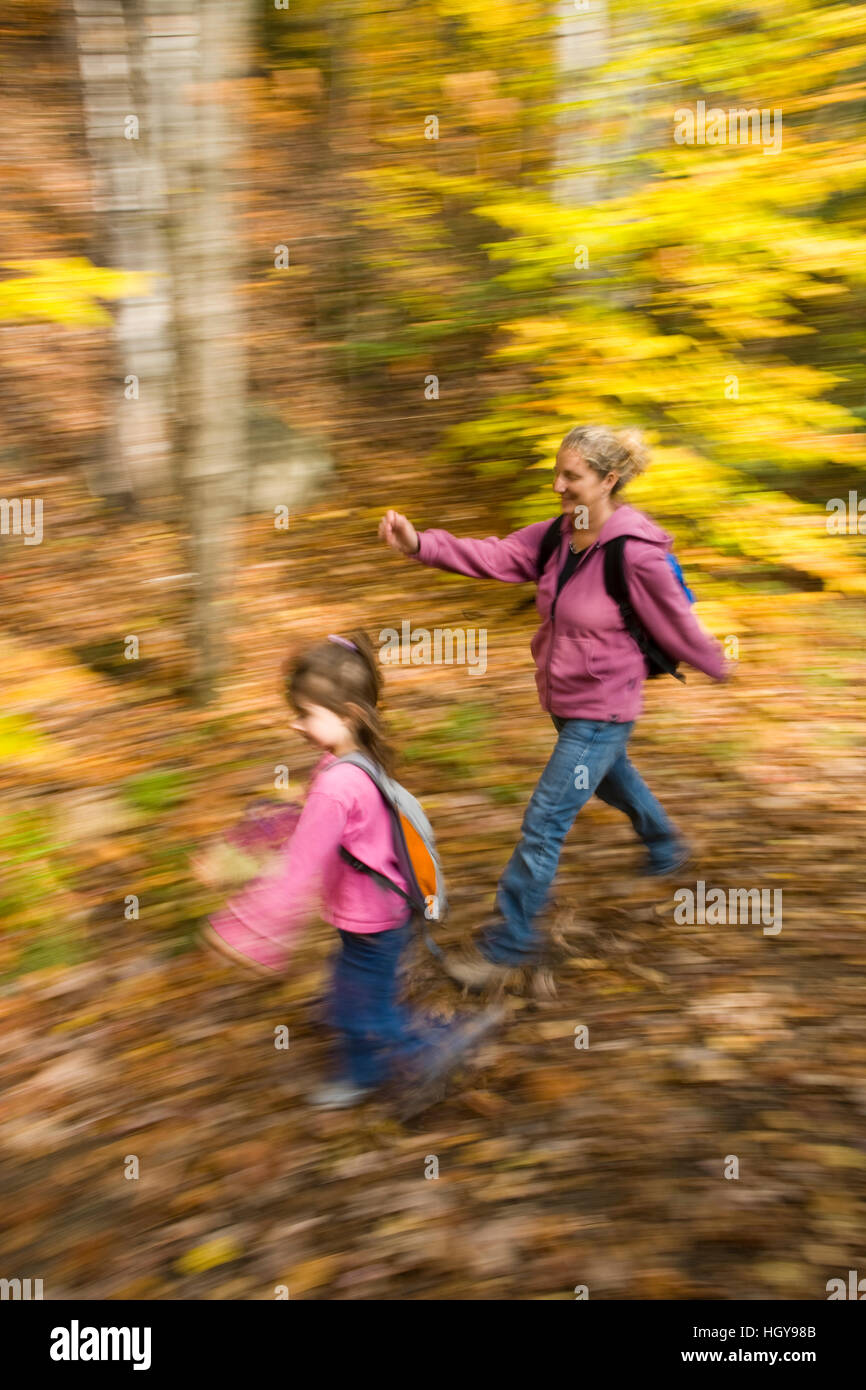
x: 638, y: 454
x: 623, y: 452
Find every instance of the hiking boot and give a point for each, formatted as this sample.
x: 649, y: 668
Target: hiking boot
x: 338, y: 1095
x: 542, y: 984
x: 682, y: 862
x: 428, y: 1084
x: 474, y: 971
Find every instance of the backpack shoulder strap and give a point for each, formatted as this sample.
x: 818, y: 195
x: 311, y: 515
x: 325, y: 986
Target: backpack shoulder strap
x: 382, y: 782
x: 381, y: 879
x: 366, y: 764
x: 614, y: 571
x: 377, y: 775
x: 614, y: 574
x: 617, y: 587
x: 549, y: 543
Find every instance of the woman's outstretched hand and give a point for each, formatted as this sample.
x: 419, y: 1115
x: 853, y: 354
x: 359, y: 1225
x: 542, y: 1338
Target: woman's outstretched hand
x: 399, y: 533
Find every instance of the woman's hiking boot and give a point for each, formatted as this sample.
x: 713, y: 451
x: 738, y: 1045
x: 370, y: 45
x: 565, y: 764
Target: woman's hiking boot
x: 682, y: 861
x: 542, y: 985
x: 474, y: 971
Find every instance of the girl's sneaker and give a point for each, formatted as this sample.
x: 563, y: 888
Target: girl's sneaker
x: 428, y: 1084
x: 339, y: 1095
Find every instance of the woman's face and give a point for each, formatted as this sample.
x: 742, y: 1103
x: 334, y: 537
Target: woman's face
x: 577, y: 484
x: 323, y: 728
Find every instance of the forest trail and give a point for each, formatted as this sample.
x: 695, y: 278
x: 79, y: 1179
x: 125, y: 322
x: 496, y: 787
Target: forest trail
x: 558, y: 1165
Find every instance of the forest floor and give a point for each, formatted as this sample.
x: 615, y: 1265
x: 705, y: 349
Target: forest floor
x: 155, y: 1142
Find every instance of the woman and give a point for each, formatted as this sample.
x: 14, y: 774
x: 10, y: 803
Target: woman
x: 589, y: 672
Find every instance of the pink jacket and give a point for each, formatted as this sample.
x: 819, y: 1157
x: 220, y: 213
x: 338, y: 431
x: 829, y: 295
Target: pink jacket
x: 587, y: 665
x: 343, y: 807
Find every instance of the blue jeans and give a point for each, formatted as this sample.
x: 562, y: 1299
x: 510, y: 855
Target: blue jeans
x: 377, y: 1035
x: 589, y: 759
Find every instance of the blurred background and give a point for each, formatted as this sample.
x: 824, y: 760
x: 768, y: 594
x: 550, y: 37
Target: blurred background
x: 268, y: 270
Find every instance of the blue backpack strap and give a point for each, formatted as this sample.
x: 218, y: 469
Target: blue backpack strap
x: 677, y: 569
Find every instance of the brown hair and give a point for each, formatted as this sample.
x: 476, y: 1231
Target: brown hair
x: 333, y: 675
x: 609, y: 451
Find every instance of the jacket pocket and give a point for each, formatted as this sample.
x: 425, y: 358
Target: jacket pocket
x: 573, y: 659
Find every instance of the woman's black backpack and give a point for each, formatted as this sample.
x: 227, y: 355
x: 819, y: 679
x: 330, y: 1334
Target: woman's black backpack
x: 658, y: 662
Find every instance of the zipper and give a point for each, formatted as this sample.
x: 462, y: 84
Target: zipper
x: 556, y: 598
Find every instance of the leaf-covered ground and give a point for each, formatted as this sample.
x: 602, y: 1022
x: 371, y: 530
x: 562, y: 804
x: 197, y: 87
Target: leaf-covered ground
x: 558, y: 1166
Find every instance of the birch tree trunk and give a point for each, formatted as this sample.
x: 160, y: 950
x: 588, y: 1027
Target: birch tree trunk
x: 599, y: 131
x: 582, y: 49
x: 129, y: 198
x: 197, y: 49
x: 168, y: 202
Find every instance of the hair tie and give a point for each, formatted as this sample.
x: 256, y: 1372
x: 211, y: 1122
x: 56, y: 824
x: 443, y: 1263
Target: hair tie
x: 344, y: 641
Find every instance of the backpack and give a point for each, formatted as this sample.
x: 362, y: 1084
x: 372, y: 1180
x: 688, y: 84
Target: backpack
x: 414, y: 846
x: 658, y: 662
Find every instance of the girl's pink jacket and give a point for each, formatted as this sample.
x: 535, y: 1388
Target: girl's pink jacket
x: 587, y: 665
x: 343, y: 807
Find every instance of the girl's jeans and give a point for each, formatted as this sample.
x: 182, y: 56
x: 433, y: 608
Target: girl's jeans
x: 589, y: 759
x: 377, y: 1034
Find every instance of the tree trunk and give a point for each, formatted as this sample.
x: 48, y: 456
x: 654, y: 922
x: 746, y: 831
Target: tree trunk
x: 129, y: 197
x: 196, y: 50
x: 167, y: 198
x: 582, y: 49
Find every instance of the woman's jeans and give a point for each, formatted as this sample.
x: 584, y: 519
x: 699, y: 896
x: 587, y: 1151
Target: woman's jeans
x: 378, y: 1036
x: 589, y: 759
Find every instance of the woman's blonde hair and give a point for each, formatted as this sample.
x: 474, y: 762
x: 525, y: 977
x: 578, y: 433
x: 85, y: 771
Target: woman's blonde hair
x: 337, y: 673
x: 610, y: 451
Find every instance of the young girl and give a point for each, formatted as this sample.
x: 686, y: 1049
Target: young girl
x: 335, y: 686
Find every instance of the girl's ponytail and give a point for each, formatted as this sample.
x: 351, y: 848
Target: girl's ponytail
x: 371, y: 732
